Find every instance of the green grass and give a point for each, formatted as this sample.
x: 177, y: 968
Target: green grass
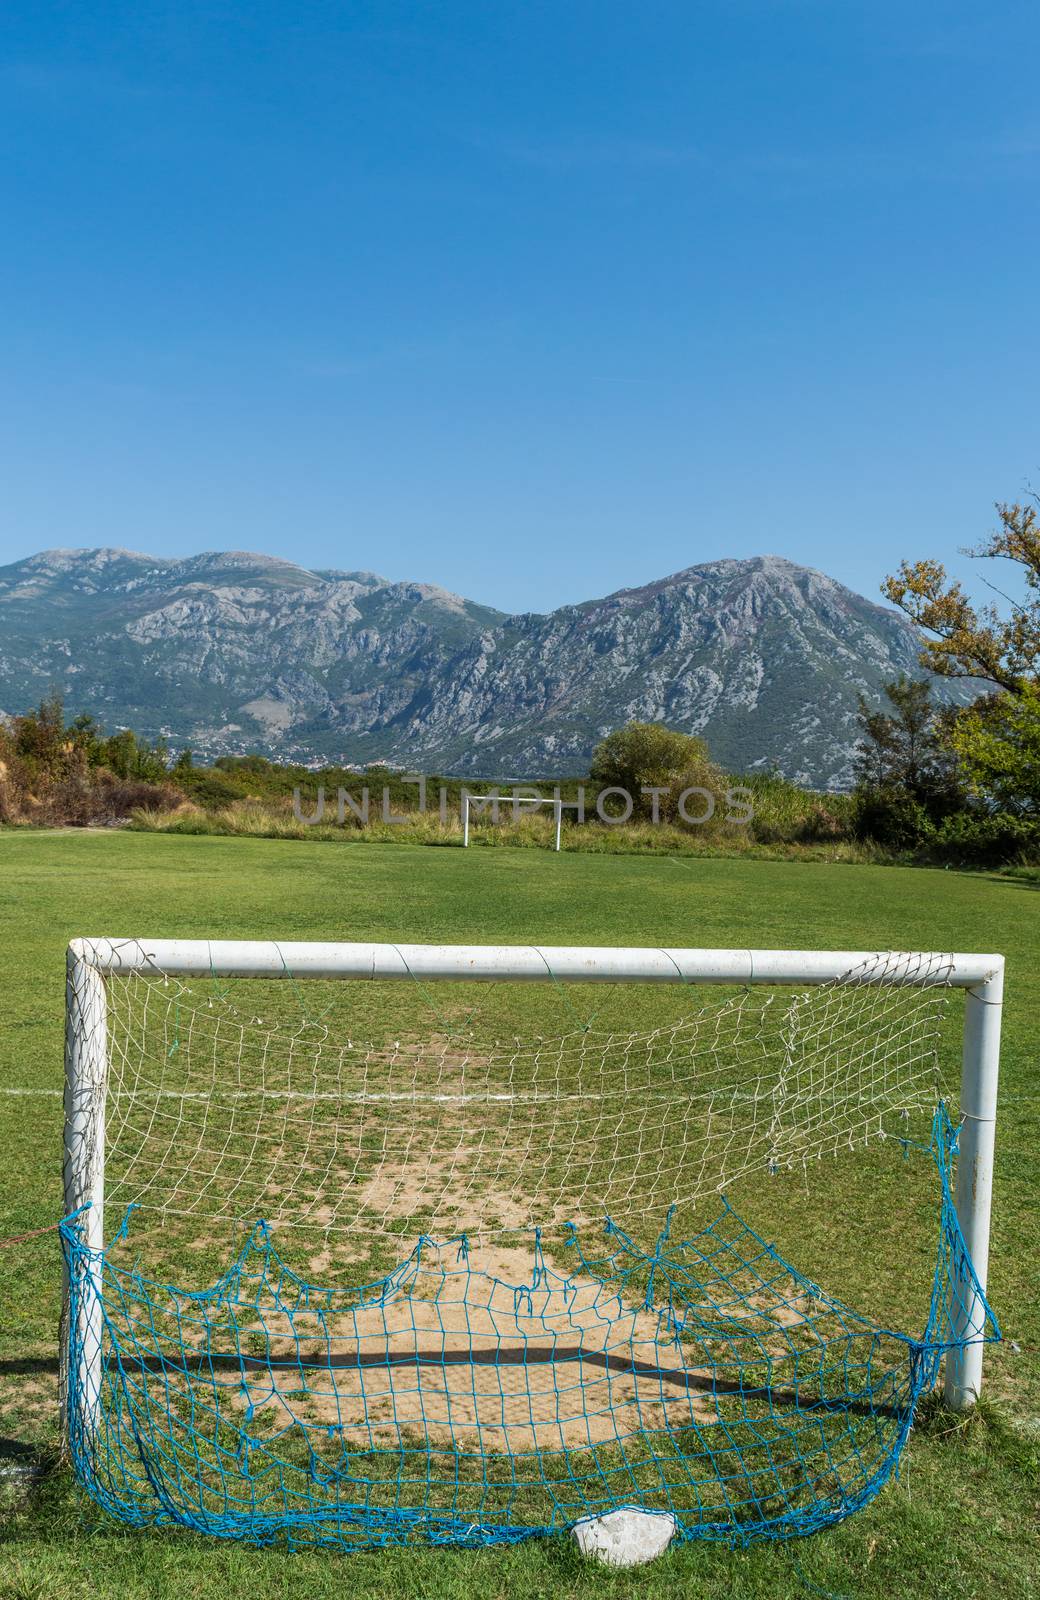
x: 961, y: 1520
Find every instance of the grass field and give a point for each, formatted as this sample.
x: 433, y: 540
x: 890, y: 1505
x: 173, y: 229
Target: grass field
x: 962, y: 1519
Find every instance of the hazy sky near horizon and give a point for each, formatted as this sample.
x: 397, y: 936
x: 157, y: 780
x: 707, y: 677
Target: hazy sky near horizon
x: 533, y: 300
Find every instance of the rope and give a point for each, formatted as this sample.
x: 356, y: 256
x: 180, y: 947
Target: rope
x: 297, y: 992
x: 561, y: 989
x: 708, y: 1379
x: 449, y: 1029
x: 34, y: 1233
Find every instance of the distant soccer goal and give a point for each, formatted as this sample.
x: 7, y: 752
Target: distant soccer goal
x: 363, y: 1247
x: 477, y: 803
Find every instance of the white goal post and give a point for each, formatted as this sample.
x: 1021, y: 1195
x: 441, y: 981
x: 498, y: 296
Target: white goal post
x: 91, y: 961
x: 517, y: 802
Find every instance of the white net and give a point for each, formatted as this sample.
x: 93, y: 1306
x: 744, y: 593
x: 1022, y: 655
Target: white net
x: 285, y: 1102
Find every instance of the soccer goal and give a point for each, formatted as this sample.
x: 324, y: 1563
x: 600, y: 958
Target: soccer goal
x: 372, y: 1243
x: 479, y: 803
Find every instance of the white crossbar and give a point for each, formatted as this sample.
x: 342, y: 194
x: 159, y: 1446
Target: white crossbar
x: 494, y: 963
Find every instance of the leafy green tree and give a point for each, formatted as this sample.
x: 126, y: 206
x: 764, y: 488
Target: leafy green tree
x: 998, y: 741
x: 647, y: 755
x: 87, y: 735
x: 39, y: 736
x: 907, y: 775
x: 998, y: 738
x: 128, y: 757
x: 907, y: 748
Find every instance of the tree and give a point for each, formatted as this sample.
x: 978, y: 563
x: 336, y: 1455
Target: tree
x: 998, y: 742
x: 908, y: 748
x: 649, y: 755
x: 906, y: 772
x: 42, y: 742
x: 130, y: 757
x: 998, y: 737
x: 977, y: 642
x: 87, y: 734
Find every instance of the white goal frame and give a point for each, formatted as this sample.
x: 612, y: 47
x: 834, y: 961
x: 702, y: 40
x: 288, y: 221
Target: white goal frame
x: 516, y: 801
x: 91, y: 961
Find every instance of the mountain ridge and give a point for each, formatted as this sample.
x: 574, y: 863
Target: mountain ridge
x: 230, y: 651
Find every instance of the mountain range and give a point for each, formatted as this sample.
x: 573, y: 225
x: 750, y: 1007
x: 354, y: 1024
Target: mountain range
x: 230, y: 652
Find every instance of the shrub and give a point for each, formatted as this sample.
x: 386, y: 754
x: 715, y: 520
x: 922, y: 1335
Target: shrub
x: 892, y: 817
x: 208, y: 789
x: 986, y: 839
x: 55, y: 776
x: 649, y: 755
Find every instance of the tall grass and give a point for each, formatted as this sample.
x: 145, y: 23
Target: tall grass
x: 788, y: 823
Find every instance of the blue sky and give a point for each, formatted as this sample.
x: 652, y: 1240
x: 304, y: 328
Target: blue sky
x: 534, y: 300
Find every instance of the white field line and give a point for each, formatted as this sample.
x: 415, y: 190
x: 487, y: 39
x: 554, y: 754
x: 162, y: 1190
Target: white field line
x: 292, y: 1094
x: 733, y: 1098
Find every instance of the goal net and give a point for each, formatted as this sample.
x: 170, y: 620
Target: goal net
x: 358, y: 1262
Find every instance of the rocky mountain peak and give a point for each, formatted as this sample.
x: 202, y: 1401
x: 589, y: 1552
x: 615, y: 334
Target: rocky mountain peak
x: 231, y: 651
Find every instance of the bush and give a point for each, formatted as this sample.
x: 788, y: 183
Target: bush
x: 970, y: 837
x: 207, y: 789
x: 702, y: 774
x: 649, y: 755
x: 119, y: 798
x: 12, y: 791
x: 785, y: 814
x: 58, y: 776
x: 891, y: 817
x: 986, y: 839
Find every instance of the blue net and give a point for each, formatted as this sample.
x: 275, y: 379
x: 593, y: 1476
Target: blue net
x: 452, y: 1403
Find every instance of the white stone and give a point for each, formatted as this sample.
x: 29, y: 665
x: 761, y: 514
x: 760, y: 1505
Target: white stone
x: 626, y: 1537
